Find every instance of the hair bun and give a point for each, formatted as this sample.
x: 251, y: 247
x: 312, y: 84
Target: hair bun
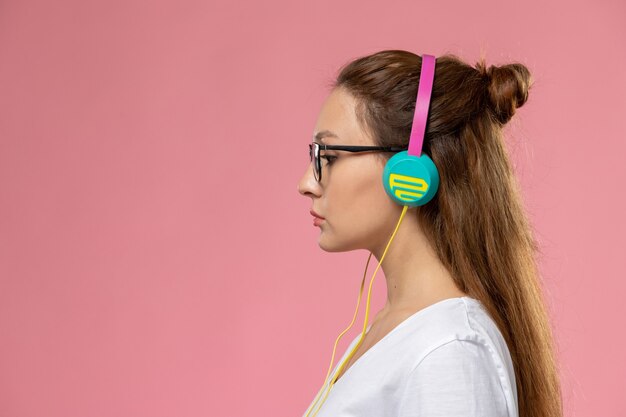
x: 507, y: 88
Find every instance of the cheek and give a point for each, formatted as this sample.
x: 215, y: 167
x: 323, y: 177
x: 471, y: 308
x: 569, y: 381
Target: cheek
x: 361, y: 201
x: 359, y: 211
x: 368, y: 187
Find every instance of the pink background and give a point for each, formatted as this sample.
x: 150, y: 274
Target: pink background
x: 155, y: 256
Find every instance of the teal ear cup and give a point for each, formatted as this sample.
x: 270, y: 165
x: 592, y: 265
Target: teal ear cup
x: 410, y: 180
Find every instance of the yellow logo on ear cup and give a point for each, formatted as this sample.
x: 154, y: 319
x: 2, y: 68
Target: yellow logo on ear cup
x: 407, y: 188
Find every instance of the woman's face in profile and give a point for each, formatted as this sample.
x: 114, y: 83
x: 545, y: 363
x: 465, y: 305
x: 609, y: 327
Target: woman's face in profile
x: 350, y: 197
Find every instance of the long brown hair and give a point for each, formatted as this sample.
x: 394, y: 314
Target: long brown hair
x: 476, y: 222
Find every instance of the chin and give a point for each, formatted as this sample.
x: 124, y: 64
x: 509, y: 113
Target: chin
x: 326, y: 248
x: 328, y: 245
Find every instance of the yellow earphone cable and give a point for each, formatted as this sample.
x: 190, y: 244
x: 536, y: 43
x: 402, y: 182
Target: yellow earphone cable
x: 367, y: 307
x: 332, y: 359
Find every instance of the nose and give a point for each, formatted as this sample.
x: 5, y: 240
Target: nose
x: 308, y: 185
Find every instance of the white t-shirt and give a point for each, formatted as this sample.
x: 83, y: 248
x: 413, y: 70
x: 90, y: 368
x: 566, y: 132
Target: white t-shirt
x: 448, y: 359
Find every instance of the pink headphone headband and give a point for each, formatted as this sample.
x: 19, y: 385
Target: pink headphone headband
x: 420, y: 117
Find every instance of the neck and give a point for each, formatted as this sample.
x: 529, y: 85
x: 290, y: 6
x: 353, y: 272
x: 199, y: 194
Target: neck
x: 415, y: 276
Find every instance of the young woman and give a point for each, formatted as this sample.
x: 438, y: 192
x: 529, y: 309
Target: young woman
x: 465, y: 330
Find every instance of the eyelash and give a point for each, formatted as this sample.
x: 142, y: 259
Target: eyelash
x: 329, y: 158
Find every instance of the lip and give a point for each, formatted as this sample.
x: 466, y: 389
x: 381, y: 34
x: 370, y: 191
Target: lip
x: 314, y: 214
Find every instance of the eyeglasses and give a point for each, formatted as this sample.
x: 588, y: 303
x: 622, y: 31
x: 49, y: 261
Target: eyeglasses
x: 314, y: 153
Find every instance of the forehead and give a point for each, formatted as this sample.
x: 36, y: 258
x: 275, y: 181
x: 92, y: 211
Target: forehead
x: 337, y: 122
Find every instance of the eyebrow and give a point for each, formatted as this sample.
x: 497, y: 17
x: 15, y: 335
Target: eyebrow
x: 319, y: 136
